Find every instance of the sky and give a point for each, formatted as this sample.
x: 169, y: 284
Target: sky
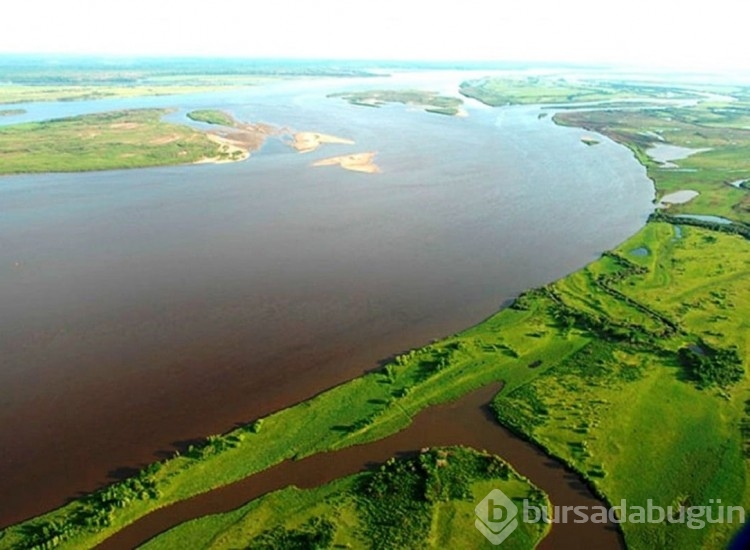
x: 648, y: 33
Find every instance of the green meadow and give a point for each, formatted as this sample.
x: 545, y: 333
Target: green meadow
x: 627, y: 411
x: 104, y: 141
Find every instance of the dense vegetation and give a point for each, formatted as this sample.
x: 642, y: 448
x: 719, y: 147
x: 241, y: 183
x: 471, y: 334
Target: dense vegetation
x: 315, y: 534
x: 104, y: 141
x: 432, y: 102
x: 709, y: 366
x: 422, y: 501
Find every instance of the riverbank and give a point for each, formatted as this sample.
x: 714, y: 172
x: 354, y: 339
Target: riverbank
x: 717, y: 141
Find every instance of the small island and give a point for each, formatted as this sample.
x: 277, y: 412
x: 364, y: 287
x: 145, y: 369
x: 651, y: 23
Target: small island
x: 212, y: 116
x: 432, y: 102
x: 358, y: 162
x: 588, y: 140
x: 12, y: 112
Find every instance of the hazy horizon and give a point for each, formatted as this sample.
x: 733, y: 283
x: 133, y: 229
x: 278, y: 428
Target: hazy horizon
x: 643, y: 35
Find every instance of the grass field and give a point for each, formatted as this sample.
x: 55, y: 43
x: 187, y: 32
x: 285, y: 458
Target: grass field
x: 432, y: 102
x: 638, y: 381
x: 626, y: 401
x: 425, y: 501
x: 106, y: 141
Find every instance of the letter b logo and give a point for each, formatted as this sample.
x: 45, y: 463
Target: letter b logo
x: 496, y: 516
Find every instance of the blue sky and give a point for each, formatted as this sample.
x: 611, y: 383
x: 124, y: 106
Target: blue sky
x: 653, y: 33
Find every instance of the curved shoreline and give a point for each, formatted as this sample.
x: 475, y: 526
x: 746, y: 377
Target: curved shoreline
x: 560, y: 483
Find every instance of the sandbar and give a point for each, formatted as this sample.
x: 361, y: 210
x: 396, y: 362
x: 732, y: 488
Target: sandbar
x: 305, y: 142
x: 239, y: 143
x: 358, y: 162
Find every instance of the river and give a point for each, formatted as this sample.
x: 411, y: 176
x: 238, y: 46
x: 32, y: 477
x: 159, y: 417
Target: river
x: 148, y: 307
x: 468, y: 421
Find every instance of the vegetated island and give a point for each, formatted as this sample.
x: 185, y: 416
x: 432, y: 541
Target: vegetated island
x: 632, y: 370
x: 140, y: 138
x: 401, y: 504
x: 589, y: 140
x: 357, y: 162
x: 117, y: 140
x: 432, y: 102
x: 12, y: 112
x: 212, y: 116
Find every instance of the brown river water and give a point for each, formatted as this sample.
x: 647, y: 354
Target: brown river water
x: 141, y: 309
